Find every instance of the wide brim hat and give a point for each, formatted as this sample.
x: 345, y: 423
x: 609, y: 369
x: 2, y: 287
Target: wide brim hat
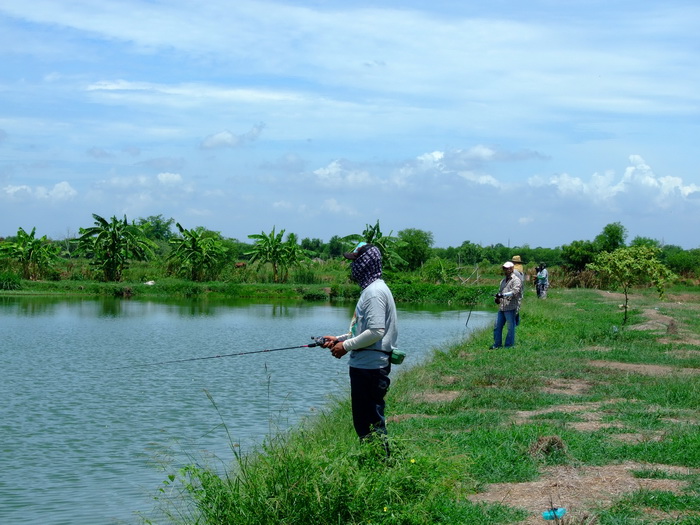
x: 516, y: 259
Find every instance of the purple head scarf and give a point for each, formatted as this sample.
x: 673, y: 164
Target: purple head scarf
x: 367, y: 268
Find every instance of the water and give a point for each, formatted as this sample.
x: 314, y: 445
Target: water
x: 84, y: 426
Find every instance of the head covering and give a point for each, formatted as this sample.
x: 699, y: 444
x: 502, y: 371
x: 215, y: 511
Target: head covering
x: 361, y: 248
x: 367, y: 266
x: 508, y: 265
x: 516, y: 259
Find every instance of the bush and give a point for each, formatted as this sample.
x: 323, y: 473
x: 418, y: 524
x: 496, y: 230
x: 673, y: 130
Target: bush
x: 10, y: 281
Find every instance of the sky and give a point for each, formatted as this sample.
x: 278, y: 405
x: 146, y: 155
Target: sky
x: 521, y: 123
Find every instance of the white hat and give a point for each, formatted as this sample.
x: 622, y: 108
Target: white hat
x: 508, y: 265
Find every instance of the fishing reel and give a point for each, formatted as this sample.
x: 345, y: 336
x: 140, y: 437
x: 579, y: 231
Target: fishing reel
x: 318, y: 341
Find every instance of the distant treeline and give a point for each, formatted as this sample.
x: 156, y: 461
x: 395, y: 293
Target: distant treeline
x: 154, y: 247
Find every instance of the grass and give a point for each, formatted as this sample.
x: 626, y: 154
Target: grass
x: 565, y: 398
x: 404, y: 292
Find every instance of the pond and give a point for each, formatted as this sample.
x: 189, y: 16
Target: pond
x: 87, y: 419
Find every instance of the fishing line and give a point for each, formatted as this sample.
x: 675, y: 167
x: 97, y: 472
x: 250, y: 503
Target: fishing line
x: 318, y: 341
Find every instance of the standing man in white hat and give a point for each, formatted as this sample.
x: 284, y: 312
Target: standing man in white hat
x: 508, y: 301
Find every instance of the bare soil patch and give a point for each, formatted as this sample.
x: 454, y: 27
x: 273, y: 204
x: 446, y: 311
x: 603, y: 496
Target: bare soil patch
x: 588, y: 412
x: 685, y: 299
x: 596, y: 349
x: 649, y: 370
x: 437, y: 397
x: 572, y: 387
x: 613, y: 296
x: 656, y: 321
x: 684, y: 354
x: 449, y: 380
x: 687, y: 339
x: 585, y: 410
x: 640, y: 437
x: 403, y: 417
x: 580, y: 490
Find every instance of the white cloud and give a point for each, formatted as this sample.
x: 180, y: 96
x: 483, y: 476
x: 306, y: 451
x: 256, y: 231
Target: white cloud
x: 61, y: 191
x: 283, y: 205
x: 480, y: 178
x: 226, y: 139
x: 169, y: 178
x: 638, y: 187
x: 17, y: 191
x: 336, y: 207
x: 335, y: 175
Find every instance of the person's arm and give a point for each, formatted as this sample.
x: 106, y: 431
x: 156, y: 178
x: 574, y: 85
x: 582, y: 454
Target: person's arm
x: 341, y: 347
x: 365, y: 339
x: 513, y: 288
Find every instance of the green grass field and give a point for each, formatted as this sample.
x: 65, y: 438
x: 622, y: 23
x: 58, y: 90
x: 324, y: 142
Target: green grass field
x: 584, y: 413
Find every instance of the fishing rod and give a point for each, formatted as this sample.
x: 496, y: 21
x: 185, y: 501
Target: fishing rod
x: 478, y: 296
x: 318, y: 341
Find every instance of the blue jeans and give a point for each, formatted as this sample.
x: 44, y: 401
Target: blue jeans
x: 503, y: 318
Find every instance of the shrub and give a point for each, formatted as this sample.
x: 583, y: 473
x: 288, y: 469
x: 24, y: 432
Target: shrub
x: 10, y: 281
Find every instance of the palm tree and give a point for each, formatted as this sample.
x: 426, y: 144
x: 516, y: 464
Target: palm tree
x: 33, y: 255
x: 112, y: 244
x: 198, y: 252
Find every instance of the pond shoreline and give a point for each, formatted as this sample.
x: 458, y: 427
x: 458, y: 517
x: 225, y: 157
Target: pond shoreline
x: 448, y: 294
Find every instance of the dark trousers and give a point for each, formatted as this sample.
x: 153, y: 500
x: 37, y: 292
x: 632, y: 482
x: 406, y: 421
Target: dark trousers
x: 367, y: 390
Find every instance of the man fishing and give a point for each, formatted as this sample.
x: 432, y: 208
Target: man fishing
x: 508, y: 301
x: 370, y: 341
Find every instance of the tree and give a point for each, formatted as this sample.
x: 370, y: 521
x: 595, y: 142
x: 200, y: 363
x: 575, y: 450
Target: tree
x: 111, y: 245
x: 497, y: 253
x: 578, y: 254
x: 33, y: 255
x: 416, y: 247
x: 387, y: 244
x: 633, y: 266
x: 156, y: 228
x: 270, y: 248
x: 314, y: 247
x: 292, y: 254
x: 611, y: 238
x: 439, y: 271
x: 683, y: 262
x: 199, y: 253
x: 645, y: 241
x: 470, y: 253
x: 335, y: 247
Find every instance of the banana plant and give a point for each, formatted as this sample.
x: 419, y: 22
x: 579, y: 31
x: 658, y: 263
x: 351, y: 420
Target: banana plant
x: 198, y: 253
x: 271, y: 248
x: 33, y: 255
x: 387, y: 244
x: 112, y: 244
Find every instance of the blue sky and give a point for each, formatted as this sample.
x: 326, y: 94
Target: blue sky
x: 514, y: 122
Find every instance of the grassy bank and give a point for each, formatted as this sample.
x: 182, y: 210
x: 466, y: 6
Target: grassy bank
x: 405, y: 291
x: 584, y: 413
